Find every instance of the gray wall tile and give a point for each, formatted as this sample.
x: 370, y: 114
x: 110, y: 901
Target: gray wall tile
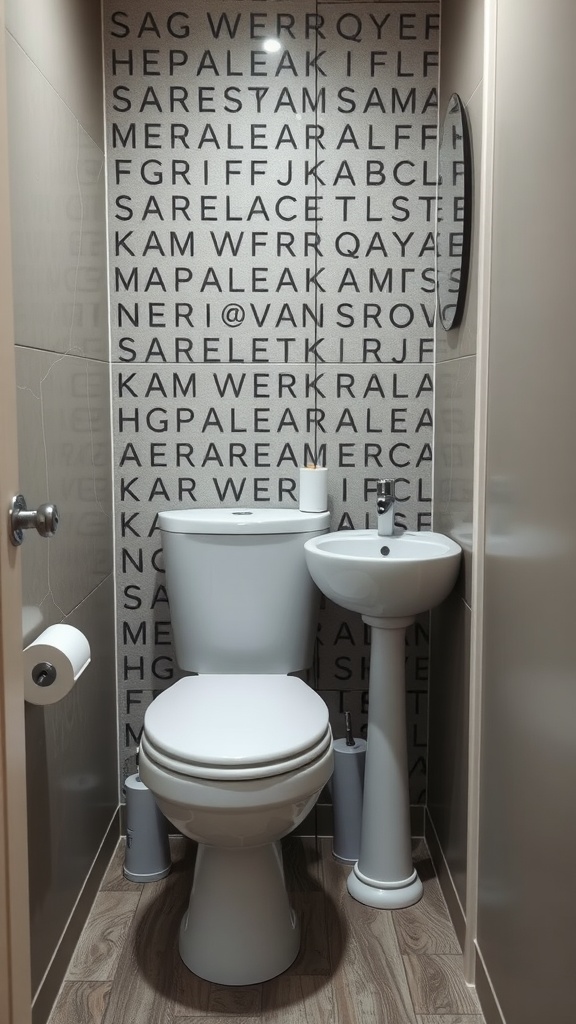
x: 71, y: 751
x: 60, y: 441
x: 58, y: 226
x: 58, y: 203
x: 448, y: 733
x: 454, y: 459
x: 62, y: 38
x: 462, y: 46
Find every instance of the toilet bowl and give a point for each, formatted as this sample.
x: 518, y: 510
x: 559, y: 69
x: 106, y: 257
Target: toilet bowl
x: 237, y: 754
x: 236, y: 762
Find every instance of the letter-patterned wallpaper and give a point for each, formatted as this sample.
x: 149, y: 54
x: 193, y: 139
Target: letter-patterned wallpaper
x: 272, y: 293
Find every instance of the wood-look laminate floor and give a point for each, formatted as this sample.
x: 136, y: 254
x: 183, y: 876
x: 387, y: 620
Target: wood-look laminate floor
x: 356, y: 965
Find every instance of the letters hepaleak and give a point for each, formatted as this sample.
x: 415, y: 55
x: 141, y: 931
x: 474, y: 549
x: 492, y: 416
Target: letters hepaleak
x: 252, y: 64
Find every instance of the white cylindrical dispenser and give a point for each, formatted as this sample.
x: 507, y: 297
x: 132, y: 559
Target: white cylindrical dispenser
x: 313, y: 495
x: 147, y: 856
x: 347, y: 788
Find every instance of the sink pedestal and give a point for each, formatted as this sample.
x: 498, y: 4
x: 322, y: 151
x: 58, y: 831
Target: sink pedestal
x: 388, y: 581
x: 384, y: 876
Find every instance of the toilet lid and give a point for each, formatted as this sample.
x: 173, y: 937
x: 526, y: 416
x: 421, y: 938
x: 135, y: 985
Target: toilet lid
x: 242, y: 725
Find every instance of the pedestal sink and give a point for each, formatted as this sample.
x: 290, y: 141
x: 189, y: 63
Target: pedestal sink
x: 388, y: 581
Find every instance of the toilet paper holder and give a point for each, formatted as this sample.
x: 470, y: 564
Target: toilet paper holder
x: 44, y: 673
x: 53, y: 662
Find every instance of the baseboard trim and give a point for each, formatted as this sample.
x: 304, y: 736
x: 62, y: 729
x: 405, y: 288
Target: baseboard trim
x: 488, y: 1001
x: 52, y: 981
x: 481, y: 981
x: 444, y: 876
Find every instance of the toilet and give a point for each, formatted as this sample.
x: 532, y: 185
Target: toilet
x: 237, y: 754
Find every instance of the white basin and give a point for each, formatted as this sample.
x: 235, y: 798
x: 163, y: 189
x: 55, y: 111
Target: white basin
x: 384, y: 577
x: 388, y: 580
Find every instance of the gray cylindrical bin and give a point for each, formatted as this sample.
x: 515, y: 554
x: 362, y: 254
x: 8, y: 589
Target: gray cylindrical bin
x: 147, y: 856
x: 347, y: 791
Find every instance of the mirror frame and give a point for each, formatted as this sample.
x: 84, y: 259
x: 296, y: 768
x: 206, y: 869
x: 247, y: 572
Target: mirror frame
x: 455, y: 106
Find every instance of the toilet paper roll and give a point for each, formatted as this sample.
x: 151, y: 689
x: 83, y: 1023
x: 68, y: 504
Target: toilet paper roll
x: 313, y: 489
x: 53, y: 663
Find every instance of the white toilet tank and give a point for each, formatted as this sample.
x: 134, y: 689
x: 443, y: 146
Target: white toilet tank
x: 241, y: 597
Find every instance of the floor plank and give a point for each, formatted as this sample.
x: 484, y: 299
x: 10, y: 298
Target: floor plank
x: 356, y: 965
x: 114, y: 880
x: 241, y: 1000
x: 426, y: 927
x: 151, y: 982
x: 369, y: 981
x: 421, y: 854
x: 103, y: 938
x: 437, y: 985
x: 302, y: 857
x: 189, y: 993
x: 450, y: 1018
x: 314, y: 955
x: 292, y: 999
x: 81, y: 1001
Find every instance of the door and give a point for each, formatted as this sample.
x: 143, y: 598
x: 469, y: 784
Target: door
x: 15, y: 993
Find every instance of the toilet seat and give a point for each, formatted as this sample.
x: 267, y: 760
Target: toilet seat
x: 228, y: 727
x: 245, y: 773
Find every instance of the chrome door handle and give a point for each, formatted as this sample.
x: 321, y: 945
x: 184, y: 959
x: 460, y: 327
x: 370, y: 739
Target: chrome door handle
x: 44, y: 519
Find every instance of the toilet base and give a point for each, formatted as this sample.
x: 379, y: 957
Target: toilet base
x: 239, y: 928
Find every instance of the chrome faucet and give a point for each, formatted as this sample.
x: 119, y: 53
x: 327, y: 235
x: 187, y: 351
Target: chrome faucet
x: 385, y: 506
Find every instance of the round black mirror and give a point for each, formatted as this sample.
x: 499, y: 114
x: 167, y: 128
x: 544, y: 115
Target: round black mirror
x: 454, y: 214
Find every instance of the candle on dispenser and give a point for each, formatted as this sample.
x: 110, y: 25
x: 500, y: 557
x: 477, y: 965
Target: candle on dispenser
x: 313, y: 489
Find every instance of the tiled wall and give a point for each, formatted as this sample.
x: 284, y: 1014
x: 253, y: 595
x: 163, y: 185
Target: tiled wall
x: 271, y: 258
x: 59, y: 259
x: 461, y: 72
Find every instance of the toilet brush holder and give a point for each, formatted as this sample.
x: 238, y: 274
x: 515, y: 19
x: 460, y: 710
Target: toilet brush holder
x: 347, y: 786
x: 147, y: 856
